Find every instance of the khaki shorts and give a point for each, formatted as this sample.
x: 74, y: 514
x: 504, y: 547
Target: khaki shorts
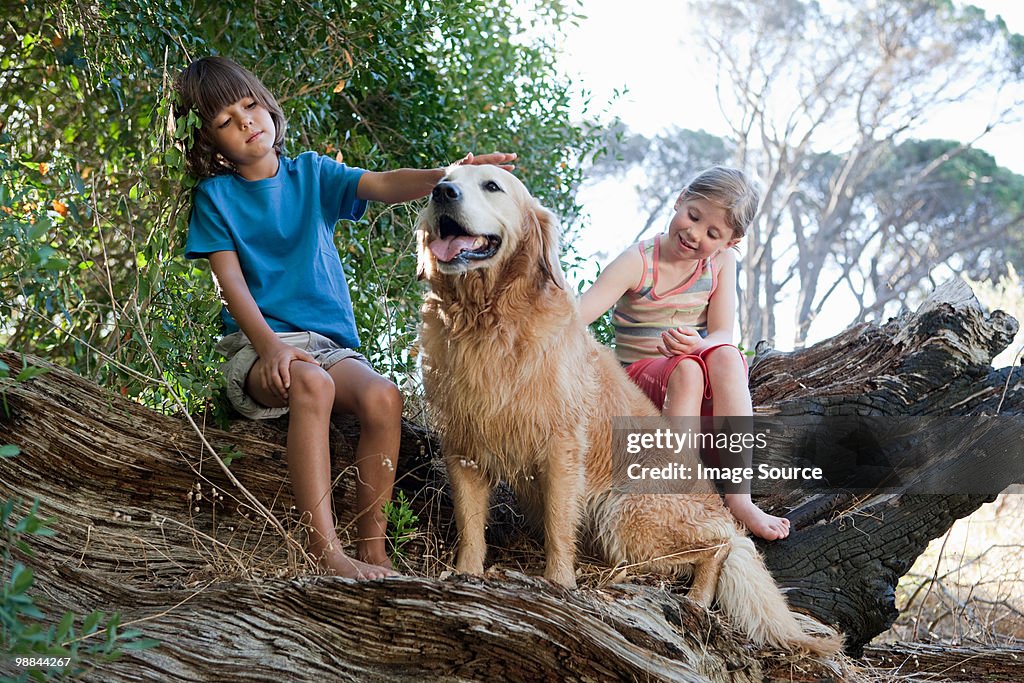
x: 241, y: 356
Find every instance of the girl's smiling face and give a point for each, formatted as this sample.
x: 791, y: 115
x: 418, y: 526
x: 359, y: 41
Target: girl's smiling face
x: 699, y: 229
x: 244, y: 133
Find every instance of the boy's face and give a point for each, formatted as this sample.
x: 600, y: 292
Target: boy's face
x: 244, y: 132
x: 699, y: 229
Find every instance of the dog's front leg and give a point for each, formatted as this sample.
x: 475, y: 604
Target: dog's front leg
x: 563, y: 482
x: 470, y: 494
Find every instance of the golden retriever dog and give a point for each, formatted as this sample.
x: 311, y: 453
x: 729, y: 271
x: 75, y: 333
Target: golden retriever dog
x: 520, y: 391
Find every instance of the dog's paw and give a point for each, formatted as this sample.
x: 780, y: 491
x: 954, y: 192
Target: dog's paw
x: 564, y: 578
x: 474, y: 568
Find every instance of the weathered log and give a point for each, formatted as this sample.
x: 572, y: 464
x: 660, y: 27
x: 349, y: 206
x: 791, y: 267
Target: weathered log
x: 848, y: 553
x: 231, y: 598
x: 925, y: 662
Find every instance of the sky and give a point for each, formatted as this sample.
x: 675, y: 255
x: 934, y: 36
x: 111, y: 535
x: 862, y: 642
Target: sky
x: 644, y: 51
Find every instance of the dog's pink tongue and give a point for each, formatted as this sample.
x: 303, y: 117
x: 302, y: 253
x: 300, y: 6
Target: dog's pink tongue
x: 448, y: 248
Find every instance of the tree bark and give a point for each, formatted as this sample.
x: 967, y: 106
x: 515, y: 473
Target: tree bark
x: 230, y: 597
x: 849, y: 551
x: 948, y: 664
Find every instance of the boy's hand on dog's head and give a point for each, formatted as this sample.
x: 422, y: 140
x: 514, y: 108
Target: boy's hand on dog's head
x: 500, y: 159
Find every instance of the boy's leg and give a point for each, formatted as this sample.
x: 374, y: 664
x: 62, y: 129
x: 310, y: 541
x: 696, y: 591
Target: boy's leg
x: 310, y: 398
x: 727, y: 373
x: 377, y: 403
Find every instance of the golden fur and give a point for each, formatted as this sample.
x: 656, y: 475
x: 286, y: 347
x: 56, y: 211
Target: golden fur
x: 520, y: 391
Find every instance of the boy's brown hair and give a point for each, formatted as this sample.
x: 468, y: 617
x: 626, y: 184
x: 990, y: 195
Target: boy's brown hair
x: 208, y: 85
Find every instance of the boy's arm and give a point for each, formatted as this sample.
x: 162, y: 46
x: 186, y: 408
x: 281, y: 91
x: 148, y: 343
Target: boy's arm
x: 620, y: 276
x: 406, y: 184
x: 235, y: 293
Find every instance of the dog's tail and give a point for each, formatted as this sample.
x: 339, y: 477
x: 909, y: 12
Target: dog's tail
x: 748, y: 595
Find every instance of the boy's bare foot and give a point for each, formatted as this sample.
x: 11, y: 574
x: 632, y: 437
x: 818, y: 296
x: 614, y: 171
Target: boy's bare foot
x: 756, y: 520
x: 371, y: 549
x: 379, y: 560
x: 337, y: 562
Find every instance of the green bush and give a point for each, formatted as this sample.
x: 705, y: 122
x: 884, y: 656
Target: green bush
x: 40, y: 649
x: 94, y: 204
x: 402, y: 523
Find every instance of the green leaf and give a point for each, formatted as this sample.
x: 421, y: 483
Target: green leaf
x: 173, y: 158
x: 64, y: 627
x: 91, y: 621
x: 21, y: 578
x: 9, y: 451
x: 140, y: 644
x: 29, y: 372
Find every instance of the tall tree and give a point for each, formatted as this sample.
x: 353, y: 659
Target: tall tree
x: 820, y: 101
x: 865, y: 75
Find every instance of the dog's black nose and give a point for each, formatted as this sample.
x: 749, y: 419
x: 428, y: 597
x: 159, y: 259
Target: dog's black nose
x: 446, y: 191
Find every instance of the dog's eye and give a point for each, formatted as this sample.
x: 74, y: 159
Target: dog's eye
x: 492, y: 186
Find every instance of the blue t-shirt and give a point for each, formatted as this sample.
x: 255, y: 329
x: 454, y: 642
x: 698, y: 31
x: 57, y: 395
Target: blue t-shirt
x: 283, y: 231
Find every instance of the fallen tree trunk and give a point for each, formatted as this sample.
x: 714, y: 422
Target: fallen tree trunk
x: 149, y: 524
x: 948, y: 664
x: 229, y: 599
x: 934, y: 367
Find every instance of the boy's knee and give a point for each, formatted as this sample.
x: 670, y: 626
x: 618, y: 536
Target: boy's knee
x: 384, y: 398
x: 310, y: 382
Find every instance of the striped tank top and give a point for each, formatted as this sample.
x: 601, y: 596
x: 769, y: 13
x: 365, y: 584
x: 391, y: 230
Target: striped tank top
x: 641, y: 315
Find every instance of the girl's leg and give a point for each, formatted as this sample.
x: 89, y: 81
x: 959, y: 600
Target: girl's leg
x: 377, y: 403
x: 731, y: 398
x: 310, y: 398
x: 685, y: 390
x: 683, y: 395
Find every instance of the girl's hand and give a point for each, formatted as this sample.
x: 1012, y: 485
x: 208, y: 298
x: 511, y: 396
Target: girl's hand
x: 682, y: 341
x: 499, y: 159
x: 276, y: 371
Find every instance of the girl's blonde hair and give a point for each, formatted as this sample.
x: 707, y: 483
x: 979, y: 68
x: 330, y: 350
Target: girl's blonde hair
x: 729, y: 188
x: 208, y: 85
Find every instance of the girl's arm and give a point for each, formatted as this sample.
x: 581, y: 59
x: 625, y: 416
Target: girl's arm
x: 620, y: 276
x: 721, y: 314
x: 722, y: 307
x: 406, y: 184
x: 235, y: 293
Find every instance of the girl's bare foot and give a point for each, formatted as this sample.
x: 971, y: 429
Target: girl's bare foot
x: 756, y: 520
x: 337, y: 562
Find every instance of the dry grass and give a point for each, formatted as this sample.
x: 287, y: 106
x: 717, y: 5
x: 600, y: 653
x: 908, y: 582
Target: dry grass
x: 968, y: 586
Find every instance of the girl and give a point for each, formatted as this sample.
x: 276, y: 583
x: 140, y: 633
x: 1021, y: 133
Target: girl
x: 675, y: 300
x: 266, y: 223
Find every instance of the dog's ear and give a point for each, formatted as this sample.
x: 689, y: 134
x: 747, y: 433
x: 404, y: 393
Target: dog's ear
x: 424, y: 259
x: 546, y: 225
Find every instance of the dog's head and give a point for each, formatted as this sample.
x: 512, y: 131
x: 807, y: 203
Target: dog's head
x: 482, y: 217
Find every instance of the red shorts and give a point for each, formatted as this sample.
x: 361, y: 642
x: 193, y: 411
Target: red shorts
x: 651, y: 375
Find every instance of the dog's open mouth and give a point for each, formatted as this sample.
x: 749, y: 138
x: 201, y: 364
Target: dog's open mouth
x: 457, y: 244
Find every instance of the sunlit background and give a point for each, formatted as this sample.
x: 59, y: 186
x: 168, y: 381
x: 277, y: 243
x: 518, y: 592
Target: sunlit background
x: 644, y: 63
